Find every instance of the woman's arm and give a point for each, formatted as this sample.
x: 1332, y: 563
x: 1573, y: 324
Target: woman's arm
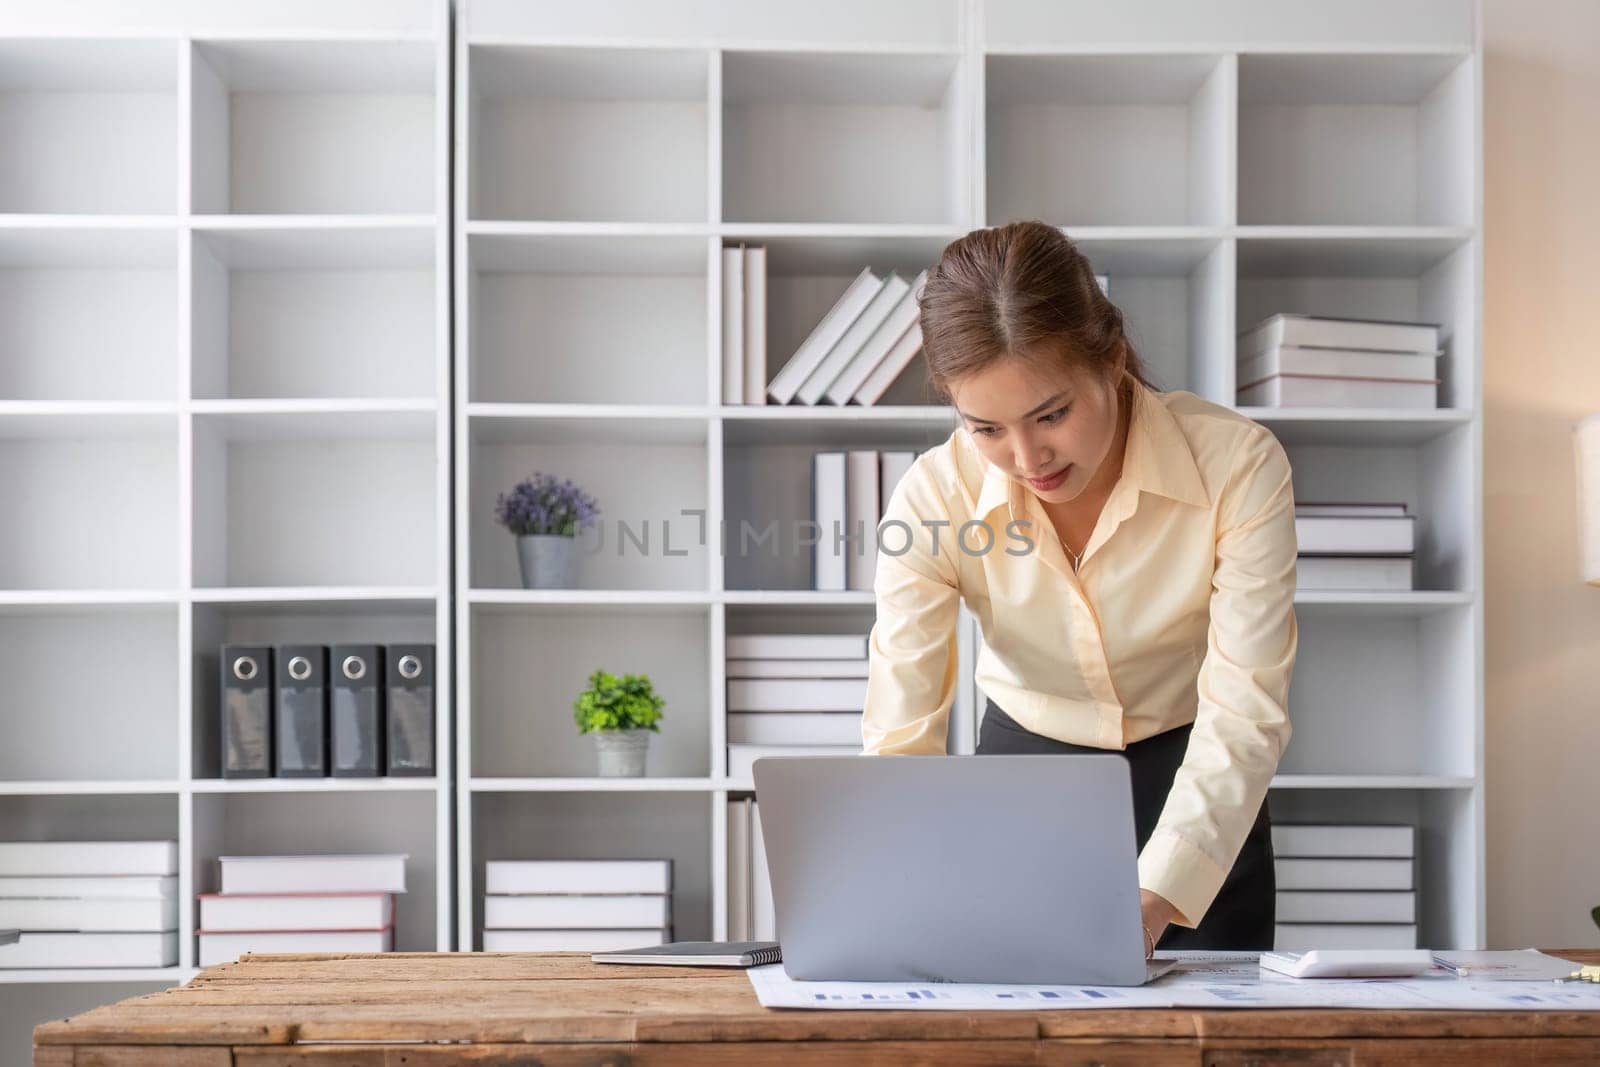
x: 1242, y: 723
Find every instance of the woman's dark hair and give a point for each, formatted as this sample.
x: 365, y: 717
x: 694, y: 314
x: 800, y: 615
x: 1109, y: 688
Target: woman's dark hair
x: 1019, y: 291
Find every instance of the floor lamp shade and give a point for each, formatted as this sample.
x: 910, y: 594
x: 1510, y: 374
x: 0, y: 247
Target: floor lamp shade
x: 1586, y: 439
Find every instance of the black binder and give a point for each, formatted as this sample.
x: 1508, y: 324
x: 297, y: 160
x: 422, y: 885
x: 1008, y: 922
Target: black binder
x: 357, y: 710
x: 302, y: 719
x: 246, y: 711
x: 409, y: 709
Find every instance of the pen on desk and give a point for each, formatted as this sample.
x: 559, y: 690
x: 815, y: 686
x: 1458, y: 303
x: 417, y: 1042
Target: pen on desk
x: 1455, y: 969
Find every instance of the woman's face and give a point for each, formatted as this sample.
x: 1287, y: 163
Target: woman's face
x: 1051, y: 434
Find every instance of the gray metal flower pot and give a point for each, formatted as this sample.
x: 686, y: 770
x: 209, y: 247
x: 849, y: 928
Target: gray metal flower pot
x: 622, y: 752
x: 549, y: 561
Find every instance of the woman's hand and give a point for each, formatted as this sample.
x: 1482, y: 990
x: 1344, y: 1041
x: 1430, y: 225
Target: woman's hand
x: 1157, y: 913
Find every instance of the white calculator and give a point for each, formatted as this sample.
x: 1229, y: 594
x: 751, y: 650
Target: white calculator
x: 1350, y: 963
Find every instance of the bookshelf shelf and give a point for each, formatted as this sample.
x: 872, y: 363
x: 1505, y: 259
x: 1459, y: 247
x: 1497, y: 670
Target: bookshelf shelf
x: 158, y: 976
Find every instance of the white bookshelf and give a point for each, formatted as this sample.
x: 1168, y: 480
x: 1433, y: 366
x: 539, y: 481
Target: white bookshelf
x: 225, y: 410
x: 1218, y: 165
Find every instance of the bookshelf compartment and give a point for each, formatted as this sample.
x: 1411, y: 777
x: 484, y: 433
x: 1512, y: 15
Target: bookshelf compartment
x: 92, y: 692
x: 315, y: 500
x: 648, y: 475
x: 529, y: 664
x: 843, y: 138
x: 88, y: 315
x: 1374, y: 140
x: 767, y: 489
x: 599, y: 825
x: 78, y: 817
x: 302, y: 824
x: 94, y: 501
x: 1109, y: 140
x: 1409, y: 279
x: 294, y: 622
x: 313, y: 127
x: 314, y: 313
x: 597, y: 134
x: 616, y: 320
x: 89, y: 126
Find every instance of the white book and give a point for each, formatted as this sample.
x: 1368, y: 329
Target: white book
x: 1339, y: 363
x: 105, y: 913
x: 891, y: 468
x: 1305, y: 937
x: 794, y: 728
x: 1352, y: 840
x: 828, y: 492
x: 797, y: 646
x: 1379, y: 574
x: 228, y: 946
x: 797, y: 694
x: 1324, y: 906
x: 1345, y: 873
x: 755, y: 325
x: 1393, y: 536
x: 572, y: 912
x: 900, y: 356
x: 733, y: 325
x: 578, y: 876
x: 877, y: 346
x: 1350, y: 511
x: 1312, y: 331
x: 119, y: 887
x: 571, y: 940
x: 849, y: 343
x: 296, y: 911
x: 738, y: 870
x: 1297, y: 391
x: 861, y: 513
x: 823, y: 336
x: 763, y: 916
x: 314, y: 874
x: 742, y: 758
x: 86, y: 858
x: 33, y: 950
x: 797, y: 668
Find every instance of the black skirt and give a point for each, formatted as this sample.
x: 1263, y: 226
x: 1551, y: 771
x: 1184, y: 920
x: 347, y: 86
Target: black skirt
x: 1245, y: 909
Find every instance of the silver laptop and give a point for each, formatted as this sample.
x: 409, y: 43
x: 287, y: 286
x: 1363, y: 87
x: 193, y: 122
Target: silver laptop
x: 998, y: 869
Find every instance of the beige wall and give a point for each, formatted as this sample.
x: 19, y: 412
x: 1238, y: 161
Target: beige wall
x: 1542, y: 372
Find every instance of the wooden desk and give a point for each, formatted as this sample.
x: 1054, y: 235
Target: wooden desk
x: 560, y: 1010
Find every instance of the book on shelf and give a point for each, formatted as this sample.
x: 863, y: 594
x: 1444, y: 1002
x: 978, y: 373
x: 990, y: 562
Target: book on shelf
x: 797, y: 694
x: 794, y: 727
x: 314, y: 874
x: 742, y: 757
x: 892, y: 466
x: 797, y: 646
x: 797, y: 668
x: 117, y: 887
x: 1303, y: 937
x: 861, y: 513
x: 34, y: 950
x: 1104, y: 282
x: 1323, y: 331
x: 558, y: 911
x: 849, y: 492
x: 849, y: 343
x: 832, y: 326
x: 578, y: 876
x: 1356, y: 840
x: 296, y: 911
x: 1322, y: 391
x: 900, y: 355
x: 71, y: 859
x: 1369, y: 574
x: 1343, y: 873
x: 225, y: 946
x: 153, y: 914
x: 1340, y: 363
x: 828, y: 511
x: 1334, y: 906
x: 733, y: 330
x: 755, y: 325
x: 738, y: 868
x: 1353, y: 535
x: 877, y: 345
x: 572, y: 940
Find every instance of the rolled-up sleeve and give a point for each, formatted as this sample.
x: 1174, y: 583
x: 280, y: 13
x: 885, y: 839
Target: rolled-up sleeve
x: 911, y: 652
x: 1241, y: 723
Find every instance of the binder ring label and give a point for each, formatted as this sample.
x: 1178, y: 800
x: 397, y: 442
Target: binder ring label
x: 410, y: 666
x: 299, y: 668
x: 355, y: 668
x: 244, y: 668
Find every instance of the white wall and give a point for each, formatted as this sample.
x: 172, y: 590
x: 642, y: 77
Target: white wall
x: 1542, y: 372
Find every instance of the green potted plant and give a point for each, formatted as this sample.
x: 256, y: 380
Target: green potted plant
x: 546, y: 515
x: 621, y: 712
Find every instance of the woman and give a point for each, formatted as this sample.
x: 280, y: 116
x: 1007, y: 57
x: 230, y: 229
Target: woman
x: 1130, y: 558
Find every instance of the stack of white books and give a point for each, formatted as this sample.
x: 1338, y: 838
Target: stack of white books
x: 744, y: 325
x: 858, y: 348
x: 751, y: 916
x: 89, y: 903
x: 1309, y: 361
x: 849, y: 493
x: 1344, y: 886
x: 1361, y: 546
x: 301, y: 904
x: 576, y: 905
x: 794, y: 695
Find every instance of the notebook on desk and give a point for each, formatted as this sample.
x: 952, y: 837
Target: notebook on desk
x: 698, y: 954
